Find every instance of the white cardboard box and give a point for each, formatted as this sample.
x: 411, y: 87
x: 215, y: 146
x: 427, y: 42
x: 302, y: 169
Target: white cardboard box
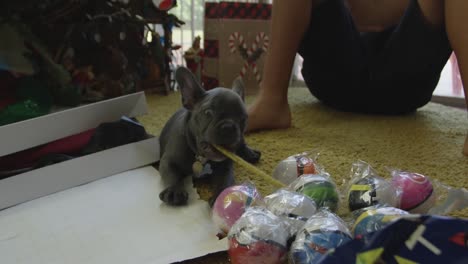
x: 119, y: 220
x: 47, y: 180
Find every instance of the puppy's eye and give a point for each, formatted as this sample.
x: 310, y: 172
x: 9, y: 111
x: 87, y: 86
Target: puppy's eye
x: 208, y: 112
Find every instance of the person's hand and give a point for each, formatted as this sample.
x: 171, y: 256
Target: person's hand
x: 465, y: 148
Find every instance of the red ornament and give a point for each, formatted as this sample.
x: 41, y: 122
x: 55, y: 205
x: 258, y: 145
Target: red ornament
x: 163, y: 5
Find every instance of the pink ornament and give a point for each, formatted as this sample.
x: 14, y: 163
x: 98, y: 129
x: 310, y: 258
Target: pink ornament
x: 231, y: 204
x: 417, y: 192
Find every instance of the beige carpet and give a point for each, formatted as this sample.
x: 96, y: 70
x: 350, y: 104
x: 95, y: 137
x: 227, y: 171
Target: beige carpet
x: 429, y: 141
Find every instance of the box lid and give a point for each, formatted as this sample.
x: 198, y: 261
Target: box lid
x: 44, y: 129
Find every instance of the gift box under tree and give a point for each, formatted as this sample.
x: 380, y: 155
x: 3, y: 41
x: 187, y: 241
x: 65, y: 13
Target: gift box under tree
x: 236, y: 41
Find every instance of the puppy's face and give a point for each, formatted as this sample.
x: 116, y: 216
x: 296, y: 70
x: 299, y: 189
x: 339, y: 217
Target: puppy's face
x: 217, y: 116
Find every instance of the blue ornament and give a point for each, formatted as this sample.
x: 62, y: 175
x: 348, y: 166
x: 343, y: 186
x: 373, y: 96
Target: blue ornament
x: 321, y: 233
x: 376, y: 219
x: 311, y: 246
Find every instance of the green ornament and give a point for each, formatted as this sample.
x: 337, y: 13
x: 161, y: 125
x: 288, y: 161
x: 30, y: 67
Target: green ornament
x: 35, y: 100
x: 323, y: 192
x: 21, y: 111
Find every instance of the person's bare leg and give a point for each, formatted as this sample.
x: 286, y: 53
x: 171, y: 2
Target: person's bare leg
x: 456, y: 22
x: 452, y: 15
x: 289, y: 23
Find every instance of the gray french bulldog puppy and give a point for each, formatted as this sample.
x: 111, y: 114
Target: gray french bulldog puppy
x: 217, y: 116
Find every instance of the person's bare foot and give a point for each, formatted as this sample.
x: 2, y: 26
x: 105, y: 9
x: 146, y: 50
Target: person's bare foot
x: 267, y: 114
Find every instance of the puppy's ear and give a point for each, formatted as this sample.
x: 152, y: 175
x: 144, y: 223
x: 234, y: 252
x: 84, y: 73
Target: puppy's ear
x: 238, y: 87
x: 191, y: 90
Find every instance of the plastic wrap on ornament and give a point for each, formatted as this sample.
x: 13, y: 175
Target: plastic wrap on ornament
x: 423, y: 195
x: 293, y: 207
x: 448, y: 199
x: 366, y: 188
x: 231, y: 204
x: 258, y: 236
x: 319, y: 188
x: 323, y: 232
x: 417, y: 192
x: 374, y: 218
x: 296, y: 165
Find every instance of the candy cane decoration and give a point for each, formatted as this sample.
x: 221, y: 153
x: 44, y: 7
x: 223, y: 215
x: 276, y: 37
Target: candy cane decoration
x: 236, y: 40
x: 264, y: 39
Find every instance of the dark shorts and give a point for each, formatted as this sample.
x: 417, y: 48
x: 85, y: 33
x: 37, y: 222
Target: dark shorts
x: 389, y: 72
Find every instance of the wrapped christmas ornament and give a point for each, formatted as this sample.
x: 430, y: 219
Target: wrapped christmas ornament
x: 366, y: 188
x: 319, y: 188
x: 258, y: 236
x: 417, y: 192
x: 374, y: 219
x: 293, y: 207
x: 294, y: 166
x: 322, y: 232
x: 231, y: 204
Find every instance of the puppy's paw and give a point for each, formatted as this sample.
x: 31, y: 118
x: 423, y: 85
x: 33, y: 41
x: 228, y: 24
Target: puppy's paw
x: 249, y: 155
x: 175, y: 196
x: 254, y: 156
